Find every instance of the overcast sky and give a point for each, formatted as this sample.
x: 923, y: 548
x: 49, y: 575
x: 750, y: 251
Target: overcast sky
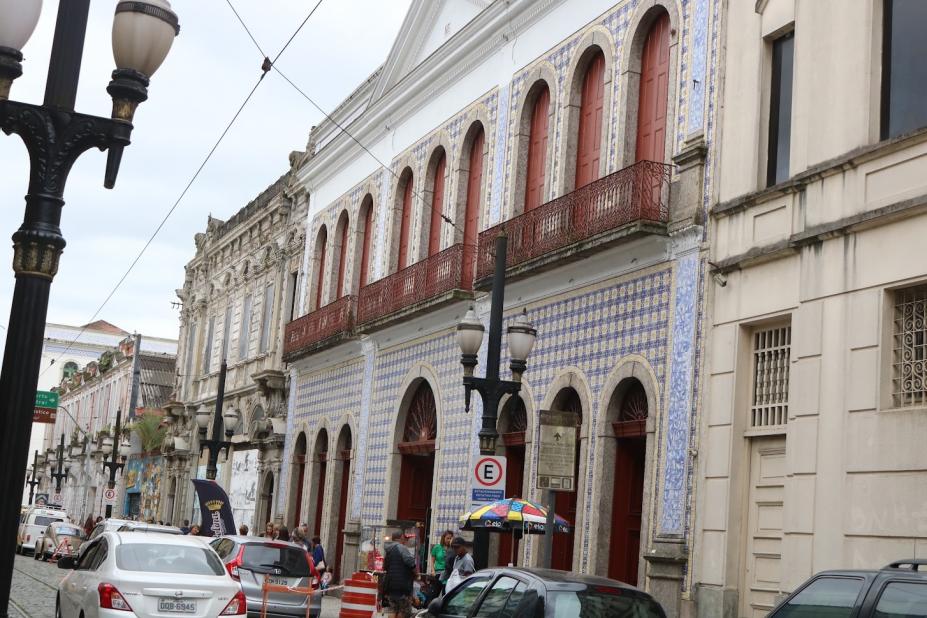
x: 211, y: 68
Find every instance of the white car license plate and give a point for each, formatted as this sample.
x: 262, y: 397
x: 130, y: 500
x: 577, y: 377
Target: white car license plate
x: 277, y: 580
x: 178, y: 606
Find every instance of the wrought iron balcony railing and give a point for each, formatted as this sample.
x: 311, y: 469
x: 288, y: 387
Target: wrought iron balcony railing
x: 430, y: 279
x: 638, y: 193
x: 309, y: 331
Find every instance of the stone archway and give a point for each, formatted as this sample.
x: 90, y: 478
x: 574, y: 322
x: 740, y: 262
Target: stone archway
x: 318, y: 476
x: 417, y: 452
x: 566, y: 502
x: 341, y: 489
x: 266, y: 504
x: 297, y: 481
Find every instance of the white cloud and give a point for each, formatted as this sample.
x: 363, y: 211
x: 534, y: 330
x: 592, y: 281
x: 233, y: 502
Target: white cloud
x: 211, y: 68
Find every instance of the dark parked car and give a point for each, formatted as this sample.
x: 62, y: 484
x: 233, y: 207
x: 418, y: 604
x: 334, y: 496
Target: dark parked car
x: 543, y: 593
x: 251, y: 560
x: 898, y: 590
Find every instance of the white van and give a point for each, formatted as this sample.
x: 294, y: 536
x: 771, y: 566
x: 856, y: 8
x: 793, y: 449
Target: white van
x: 33, y: 525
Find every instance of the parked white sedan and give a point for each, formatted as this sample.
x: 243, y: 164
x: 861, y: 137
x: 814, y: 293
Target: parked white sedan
x: 142, y: 575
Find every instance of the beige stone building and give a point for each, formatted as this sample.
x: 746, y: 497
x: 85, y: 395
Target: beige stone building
x: 237, y: 294
x: 811, y: 450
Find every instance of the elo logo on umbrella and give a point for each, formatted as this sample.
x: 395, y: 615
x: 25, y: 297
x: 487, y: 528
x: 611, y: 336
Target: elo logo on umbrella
x: 488, y: 472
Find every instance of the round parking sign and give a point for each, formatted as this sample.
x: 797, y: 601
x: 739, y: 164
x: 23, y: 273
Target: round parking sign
x: 489, y: 472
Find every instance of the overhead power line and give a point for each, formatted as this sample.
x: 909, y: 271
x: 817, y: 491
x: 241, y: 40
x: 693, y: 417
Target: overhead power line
x: 265, y: 67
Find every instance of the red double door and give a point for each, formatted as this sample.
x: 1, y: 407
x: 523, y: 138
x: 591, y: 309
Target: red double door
x: 416, y: 478
x: 627, y: 506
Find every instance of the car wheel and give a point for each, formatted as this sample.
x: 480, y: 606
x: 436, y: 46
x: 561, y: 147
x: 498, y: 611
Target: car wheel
x: 58, y: 607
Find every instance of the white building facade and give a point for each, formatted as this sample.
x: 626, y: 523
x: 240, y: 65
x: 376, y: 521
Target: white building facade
x: 815, y: 397
x: 585, y: 128
x: 237, y: 294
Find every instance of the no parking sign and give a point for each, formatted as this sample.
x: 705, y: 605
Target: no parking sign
x: 487, y: 480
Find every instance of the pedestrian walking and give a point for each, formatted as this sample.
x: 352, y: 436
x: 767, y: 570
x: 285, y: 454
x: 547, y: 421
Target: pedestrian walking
x: 88, y: 525
x: 243, y: 530
x: 399, y: 577
x: 283, y: 534
x: 194, y: 530
x: 318, y: 554
x: 463, y: 563
x: 185, y: 528
x: 269, y: 530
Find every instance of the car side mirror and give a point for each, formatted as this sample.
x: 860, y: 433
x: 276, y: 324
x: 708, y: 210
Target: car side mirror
x: 66, y: 562
x: 435, y: 607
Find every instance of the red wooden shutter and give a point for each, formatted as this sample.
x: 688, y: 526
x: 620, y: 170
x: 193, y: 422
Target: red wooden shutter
x: 437, y: 208
x: 365, y: 251
x: 651, y: 114
x: 472, y: 210
x: 342, y: 259
x: 321, y: 278
x: 320, y: 494
x: 537, y: 151
x: 404, y: 225
x: 589, y: 139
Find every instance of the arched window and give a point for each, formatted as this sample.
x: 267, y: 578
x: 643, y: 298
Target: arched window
x: 652, y: 100
x: 437, y: 204
x: 320, y: 250
x: 472, y: 208
x: 366, y: 219
x: 405, y: 218
x: 343, y: 225
x: 536, y: 170
x: 589, y: 138
x: 69, y: 369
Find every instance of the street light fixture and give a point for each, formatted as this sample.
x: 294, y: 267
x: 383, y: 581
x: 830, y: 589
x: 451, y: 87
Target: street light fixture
x: 215, y: 444
x: 59, y: 472
x: 521, y: 337
x: 55, y: 137
x: 34, y: 477
x: 116, y: 459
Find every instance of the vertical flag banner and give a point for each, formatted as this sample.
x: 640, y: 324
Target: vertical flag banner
x: 215, y: 509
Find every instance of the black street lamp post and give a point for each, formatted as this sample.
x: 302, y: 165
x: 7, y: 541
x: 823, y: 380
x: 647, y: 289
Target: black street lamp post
x: 216, y: 444
x: 60, y: 473
x: 55, y: 136
x: 521, y: 337
x: 34, y: 479
x: 117, y: 457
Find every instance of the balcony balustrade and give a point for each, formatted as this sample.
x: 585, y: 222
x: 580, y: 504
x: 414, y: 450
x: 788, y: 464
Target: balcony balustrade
x: 425, y: 284
x: 636, y: 194
x: 311, y: 331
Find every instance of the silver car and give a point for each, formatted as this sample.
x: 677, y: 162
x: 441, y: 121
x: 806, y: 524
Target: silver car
x: 253, y: 560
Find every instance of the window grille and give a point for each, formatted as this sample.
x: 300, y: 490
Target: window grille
x: 771, y: 352
x: 909, y: 354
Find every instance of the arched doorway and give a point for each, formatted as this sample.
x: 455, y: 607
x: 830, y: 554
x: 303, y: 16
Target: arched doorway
x: 567, y: 400
x: 342, y: 487
x: 319, y: 471
x: 298, y: 479
x: 417, y: 453
x: 628, y: 410
x: 513, y: 427
x: 266, y: 508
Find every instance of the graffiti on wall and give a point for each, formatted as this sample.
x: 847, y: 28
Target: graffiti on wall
x: 143, y: 487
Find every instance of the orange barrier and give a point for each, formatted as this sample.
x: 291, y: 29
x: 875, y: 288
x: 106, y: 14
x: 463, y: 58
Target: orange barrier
x: 308, y: 591
x: 359, y: 599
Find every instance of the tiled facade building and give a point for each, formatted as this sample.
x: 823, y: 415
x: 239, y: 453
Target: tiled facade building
x: 586, y: 130
x: 237, y: 294
x: 813, y: 436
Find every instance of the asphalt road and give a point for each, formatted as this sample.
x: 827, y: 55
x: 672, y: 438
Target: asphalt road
x: 35, y: 584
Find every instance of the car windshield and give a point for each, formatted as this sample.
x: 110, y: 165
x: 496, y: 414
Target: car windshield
x: 275, y: 559
x: 162, y: 558
x: 44, y: 520
x: 601, y: 601
x: 67, y: 530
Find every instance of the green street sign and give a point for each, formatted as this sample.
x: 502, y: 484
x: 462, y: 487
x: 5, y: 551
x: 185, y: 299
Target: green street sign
x: 46, y: 399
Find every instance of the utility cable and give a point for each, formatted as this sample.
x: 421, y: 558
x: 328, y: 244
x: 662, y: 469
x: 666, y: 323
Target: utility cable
x: 264, y: 68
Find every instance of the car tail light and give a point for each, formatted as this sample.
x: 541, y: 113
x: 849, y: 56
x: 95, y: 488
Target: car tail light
x: 235, y: 564
x: 238, y: 606
x: 110, y: 598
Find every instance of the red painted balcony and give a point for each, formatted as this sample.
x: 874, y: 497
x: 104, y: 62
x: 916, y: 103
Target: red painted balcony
x: 434, y: 281
x: 630, y: 201
x: 321, y: 328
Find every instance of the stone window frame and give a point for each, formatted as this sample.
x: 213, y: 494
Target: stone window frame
x: 645, y: 16
x: 596, y: 39
x: 315, y: 300
x: 423, y: 208
x: 357, y: 255
x: 478, y: 119
x: 331, y: 287
x: 889, y: 399
x: 541, y: 74
x: 397, y: 187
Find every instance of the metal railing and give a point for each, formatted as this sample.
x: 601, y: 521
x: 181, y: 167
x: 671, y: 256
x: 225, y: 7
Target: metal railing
x: 436, y: 275
x: 636, y: 193
x: 332, y: 319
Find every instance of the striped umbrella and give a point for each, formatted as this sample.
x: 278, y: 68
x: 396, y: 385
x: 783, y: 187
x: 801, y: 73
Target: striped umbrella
x: 512, y: 514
